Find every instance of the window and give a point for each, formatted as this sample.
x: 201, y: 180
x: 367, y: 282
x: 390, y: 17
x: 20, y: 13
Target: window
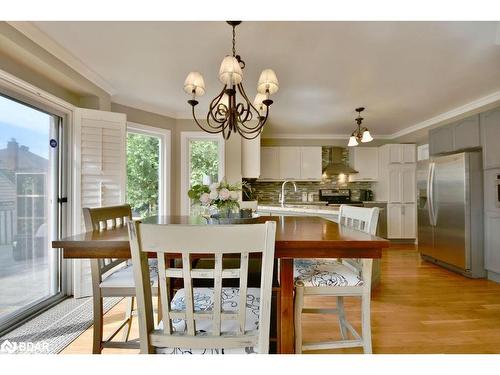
x: 30, y: 271
x: 148, y: 170
x: 202, y: 162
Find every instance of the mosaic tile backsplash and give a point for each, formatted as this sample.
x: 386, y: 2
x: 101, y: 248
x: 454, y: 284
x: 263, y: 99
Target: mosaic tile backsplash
x: 268, y: 192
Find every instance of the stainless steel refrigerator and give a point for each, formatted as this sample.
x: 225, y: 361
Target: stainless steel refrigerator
x: 450, y: 212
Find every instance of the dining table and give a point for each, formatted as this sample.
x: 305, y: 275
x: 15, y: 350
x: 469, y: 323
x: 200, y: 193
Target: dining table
x: 296, y: 237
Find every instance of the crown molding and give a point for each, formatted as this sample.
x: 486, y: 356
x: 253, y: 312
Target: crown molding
x: 32, y: 32
x: 316, y: 136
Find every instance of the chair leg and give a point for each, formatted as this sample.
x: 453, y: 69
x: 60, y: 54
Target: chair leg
x: 128, y: 316
x: 98, y: 325
x: 299, y: 304
x: 365, y: 324
x: 341, y: 316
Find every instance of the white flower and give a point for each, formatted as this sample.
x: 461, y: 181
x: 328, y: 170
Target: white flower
x: 205, y: 198
x: 213, y: 194
x: 234, y: 195
x: 214, y: 186
x: 224, y: 194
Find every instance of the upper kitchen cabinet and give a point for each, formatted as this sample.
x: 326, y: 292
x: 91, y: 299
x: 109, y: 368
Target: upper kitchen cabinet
x: 365, y: 161
x: 490, y: 136
x: 250, y: 158
x: 311, y: 161
x: 402, y: 153
x: 289, y: 163
x: 270, y: 163
x: 457, y: 136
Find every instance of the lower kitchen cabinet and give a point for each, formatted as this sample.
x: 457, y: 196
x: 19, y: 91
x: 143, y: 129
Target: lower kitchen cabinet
x: 492, y: 241
x: 401, y: 221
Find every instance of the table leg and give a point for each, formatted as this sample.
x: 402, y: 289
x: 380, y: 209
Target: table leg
x: 286, y: 335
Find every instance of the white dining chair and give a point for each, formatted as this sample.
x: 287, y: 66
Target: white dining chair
x: 344, y: 278
x: 204, y: 320
x: 112, y: 278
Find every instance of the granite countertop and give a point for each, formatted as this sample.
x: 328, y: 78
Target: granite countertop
x: 299, y: 207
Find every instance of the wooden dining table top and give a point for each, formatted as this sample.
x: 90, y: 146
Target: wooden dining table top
x: 296, y: 237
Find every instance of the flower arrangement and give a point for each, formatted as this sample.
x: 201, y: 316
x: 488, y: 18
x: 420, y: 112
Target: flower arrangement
x: 222, y: 195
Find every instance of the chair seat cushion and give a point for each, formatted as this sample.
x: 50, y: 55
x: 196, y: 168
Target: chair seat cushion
x: 203, y: 301
x: 325, y: 272
x: 124, y: 277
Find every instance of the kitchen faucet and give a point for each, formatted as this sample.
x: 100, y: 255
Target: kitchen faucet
x: 282, y: 200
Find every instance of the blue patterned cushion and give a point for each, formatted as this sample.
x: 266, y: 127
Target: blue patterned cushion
x: 203, y: 301
x: 325, y: 272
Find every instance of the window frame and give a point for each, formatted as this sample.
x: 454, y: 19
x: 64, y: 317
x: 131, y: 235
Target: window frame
x: 164, y: 175
x: 186, y: 137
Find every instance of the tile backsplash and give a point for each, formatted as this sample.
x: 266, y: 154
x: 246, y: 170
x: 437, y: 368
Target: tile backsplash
x: 268, y: 191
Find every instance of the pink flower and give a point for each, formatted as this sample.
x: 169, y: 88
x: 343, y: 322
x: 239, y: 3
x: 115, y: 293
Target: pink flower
x: 213, y: 194
x: 224, y: 194
x: 205, y: 198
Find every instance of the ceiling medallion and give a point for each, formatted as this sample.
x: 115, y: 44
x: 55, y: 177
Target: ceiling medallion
x: 361, y: 134
x: 227, y: 114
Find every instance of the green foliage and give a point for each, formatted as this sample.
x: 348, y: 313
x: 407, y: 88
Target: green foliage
x: 196, y: 191
x: 142, y: 174
x: 204, y: 161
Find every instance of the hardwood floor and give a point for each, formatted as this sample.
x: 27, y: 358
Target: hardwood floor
x: 417, y: 308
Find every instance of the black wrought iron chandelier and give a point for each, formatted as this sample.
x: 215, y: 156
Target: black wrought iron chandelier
x: 361, y: 134
x: 227, y: 114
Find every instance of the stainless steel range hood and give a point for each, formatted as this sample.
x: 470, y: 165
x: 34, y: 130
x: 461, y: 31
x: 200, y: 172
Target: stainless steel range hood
x: 335, y: 165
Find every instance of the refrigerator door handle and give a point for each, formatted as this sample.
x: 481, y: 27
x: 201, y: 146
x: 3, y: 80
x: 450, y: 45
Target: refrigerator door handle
x: 430, y: 193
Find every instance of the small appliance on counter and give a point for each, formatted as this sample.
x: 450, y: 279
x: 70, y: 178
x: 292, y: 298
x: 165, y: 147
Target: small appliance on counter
x: 361, y: 195
x: 335, y: 196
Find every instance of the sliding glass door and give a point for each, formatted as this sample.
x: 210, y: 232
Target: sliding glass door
x: 30, y: 270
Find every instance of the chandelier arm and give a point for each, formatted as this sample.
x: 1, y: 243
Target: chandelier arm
x: 213, y: 107
x: 202, y: 127
x: 244, y: 94
x: 247, y: 135
x: 257, y: 128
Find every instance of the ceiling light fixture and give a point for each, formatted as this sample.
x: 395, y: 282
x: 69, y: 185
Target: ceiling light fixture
x: 226, y: 114
x: 361, y: 134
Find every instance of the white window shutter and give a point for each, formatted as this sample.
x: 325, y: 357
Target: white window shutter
x: 100, y: 173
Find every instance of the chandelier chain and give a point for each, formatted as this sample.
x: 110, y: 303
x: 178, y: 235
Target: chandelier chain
x: 234, y: 41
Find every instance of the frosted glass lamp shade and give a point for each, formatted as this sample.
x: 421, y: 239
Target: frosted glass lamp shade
x: 230, y: 71
x: 257, y: 103
x: 352, y: 141
x: 194, y: 82
x: 366, y: 137
x: 267, y: 81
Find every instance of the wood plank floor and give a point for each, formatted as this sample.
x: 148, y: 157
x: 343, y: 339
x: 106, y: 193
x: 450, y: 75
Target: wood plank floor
x: 417, y: 308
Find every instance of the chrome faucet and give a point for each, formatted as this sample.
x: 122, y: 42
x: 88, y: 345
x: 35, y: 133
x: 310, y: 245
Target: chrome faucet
x: 282, y: 200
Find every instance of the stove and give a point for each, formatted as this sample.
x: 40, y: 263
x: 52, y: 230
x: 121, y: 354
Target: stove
x: 335, y: 196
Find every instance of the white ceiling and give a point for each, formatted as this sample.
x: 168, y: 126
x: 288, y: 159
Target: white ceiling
x: 403, y: 72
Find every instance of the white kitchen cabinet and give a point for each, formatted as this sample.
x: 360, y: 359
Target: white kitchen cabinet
x: 270, y: 163
x: 394, y: 187
x: 401, y: 222
x: 409, y: 225
x: 492, y: 241
x: 457, y: 136
x: 365, y: 161
x: 490, y: 138
x: 402, y: 153
x: 290, y: 163
x: 311, y: 160
x: 440, y: 140
x: 402, y: 184
x: 250, y: 157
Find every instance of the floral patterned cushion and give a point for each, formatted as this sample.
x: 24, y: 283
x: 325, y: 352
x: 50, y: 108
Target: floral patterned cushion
x: 124, y: 277
x: 325, y: 272
x: 204, y: 300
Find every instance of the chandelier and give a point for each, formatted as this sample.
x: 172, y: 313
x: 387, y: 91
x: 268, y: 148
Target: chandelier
x: 361, y: 134
x: 227, y: 113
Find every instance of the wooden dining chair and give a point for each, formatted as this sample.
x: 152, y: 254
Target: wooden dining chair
x: 204, y: 320
x: 344, y: 278
x: 112, y: 277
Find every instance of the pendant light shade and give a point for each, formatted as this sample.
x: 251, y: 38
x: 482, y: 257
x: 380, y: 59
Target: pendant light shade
x: 230, y: 71
x: 366, y: 137
x: 268, y: 82
x: 352, y: 141
x: 194, y: 84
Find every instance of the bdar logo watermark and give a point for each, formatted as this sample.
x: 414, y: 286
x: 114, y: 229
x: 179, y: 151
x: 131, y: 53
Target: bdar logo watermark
x: 11, y: 347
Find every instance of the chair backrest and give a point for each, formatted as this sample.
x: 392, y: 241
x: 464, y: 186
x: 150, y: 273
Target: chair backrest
x: 104, y: 218
x: 359, y: 218
x: 203, y: 240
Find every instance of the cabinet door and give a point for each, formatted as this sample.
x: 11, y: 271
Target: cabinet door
x: 269, y: 163
x: 289, y: 163
x: 490, y: 136
x: 492, y: 242
x: 466, y: 133
x: 408, y: 184
x: 395, y: 195
x: 408, y: 152
x: 408, y: 221
x: 441, y: 140
x: 365, y: 161
x: 310, y: 163
x: 395, y: 153
x: 394, y: 224
x: 250, y: 158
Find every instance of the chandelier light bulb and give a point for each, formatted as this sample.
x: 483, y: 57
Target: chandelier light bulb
x: 366, y: 137
x: 352, y: 141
